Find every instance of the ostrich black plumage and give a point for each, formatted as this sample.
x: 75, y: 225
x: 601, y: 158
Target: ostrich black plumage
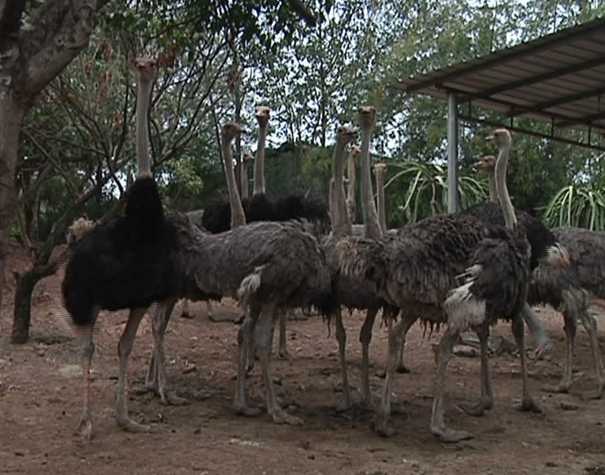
x: 124, y: 264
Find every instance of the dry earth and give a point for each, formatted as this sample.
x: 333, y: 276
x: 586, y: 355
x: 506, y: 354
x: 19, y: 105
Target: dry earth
x: 40, y: 398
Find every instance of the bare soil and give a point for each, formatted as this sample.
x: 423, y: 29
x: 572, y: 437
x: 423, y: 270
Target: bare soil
x: 41, y: 391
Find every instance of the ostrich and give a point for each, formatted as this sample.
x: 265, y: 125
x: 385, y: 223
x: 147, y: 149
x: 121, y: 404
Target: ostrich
x: 418, y: 269
x: 245, y: 183
x: 123, y: 264
x: 569, y: 290
x: 272, y: 265
x: 354, y: 292
x: 545, y: 247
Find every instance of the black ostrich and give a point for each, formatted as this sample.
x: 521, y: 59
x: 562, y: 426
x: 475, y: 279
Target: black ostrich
x: 123, y: 264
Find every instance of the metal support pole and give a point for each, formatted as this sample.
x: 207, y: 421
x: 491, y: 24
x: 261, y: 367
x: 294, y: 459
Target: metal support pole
x: 452, y: 154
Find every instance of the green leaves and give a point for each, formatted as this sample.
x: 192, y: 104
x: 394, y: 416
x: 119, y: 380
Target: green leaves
x: 578, y: 206
x: 424, y: 190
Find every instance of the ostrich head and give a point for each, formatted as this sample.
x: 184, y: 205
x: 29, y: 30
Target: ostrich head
x: 263, y: 114
x: 355, y: 152
x: 146, y: 68
x: 501, y: 137
x: 367, y: 117
x: 486, y: 164
x: 380, y: 169
x: 230, y: 130
x: 247, y: 157
x: 346, y: 134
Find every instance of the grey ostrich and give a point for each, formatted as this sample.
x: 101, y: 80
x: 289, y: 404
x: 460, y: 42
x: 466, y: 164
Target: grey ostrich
x: 354, y: 292
x: 571, y: 290
x: 272, y: 265
x: 419, y: 269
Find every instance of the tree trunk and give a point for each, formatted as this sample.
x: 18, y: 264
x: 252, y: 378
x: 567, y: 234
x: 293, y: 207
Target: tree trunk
x: 26, y: 283
x: 11, y: 119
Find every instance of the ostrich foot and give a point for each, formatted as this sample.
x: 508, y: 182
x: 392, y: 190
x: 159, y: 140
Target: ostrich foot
x: 245, y: 410
x: 476, y: 409
x: 450, y: 435
x: 84, y: 429
x: 381, y: 426
x: 282, y: 417
x: 169, y: 398
x: 128, y: 425
x: 599, y: 393
x: 558, y: 388
x: 527, y: 404
x: 403, y: 369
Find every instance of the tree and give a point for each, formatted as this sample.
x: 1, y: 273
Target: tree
x: 29, y: 59
x: 39, y: 39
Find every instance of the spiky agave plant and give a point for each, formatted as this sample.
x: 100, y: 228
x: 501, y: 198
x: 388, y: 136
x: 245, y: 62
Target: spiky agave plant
x: 426, y: 194
x: 577, y: 205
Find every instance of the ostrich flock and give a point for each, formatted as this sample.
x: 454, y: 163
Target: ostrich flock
x: 274, y: 255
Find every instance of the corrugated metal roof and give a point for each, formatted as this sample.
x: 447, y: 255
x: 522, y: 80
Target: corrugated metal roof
x: 558, y: 77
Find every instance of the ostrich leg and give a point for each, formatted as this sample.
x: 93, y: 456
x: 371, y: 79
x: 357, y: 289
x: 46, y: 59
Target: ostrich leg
x: 263, y: 339
x: 486, y: 400
x: 87, y: 350
x: 365, y: 337
x: 124, y: 349
x: 383, y: 411
x: 543, y: 342
x: 283, y: 345
x: 590, y: 325
x: 156, y: 379
x: 569, y: 316
x: 438, y: 427
x: 245, y: 337
x: 341, y: 337
x: 527, y: 403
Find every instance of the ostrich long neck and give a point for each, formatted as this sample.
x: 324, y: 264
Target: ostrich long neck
x: 382, y: 212
x: 341, y: 225
x: 142, y: 131
x: 372, y: 227
x: 510, y: 219
x: 244, y: 179
x: 259, y: 164
x: 491, y: 185
x: 238, y: 218
x: 351, y: 175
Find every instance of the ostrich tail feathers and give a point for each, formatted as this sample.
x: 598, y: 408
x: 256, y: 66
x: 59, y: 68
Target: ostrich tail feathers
x: 249, y: 286
x: 78, y: 229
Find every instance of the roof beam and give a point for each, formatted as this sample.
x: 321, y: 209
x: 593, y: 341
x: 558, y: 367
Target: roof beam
x: 540, y: 106
x: 587, y: 120
x: 492, y: 123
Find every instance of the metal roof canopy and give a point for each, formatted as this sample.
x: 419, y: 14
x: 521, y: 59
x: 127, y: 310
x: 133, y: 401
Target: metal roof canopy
x: 558, y: 78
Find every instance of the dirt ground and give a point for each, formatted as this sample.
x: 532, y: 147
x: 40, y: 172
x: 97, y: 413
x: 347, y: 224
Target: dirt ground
x: 41, y: 389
